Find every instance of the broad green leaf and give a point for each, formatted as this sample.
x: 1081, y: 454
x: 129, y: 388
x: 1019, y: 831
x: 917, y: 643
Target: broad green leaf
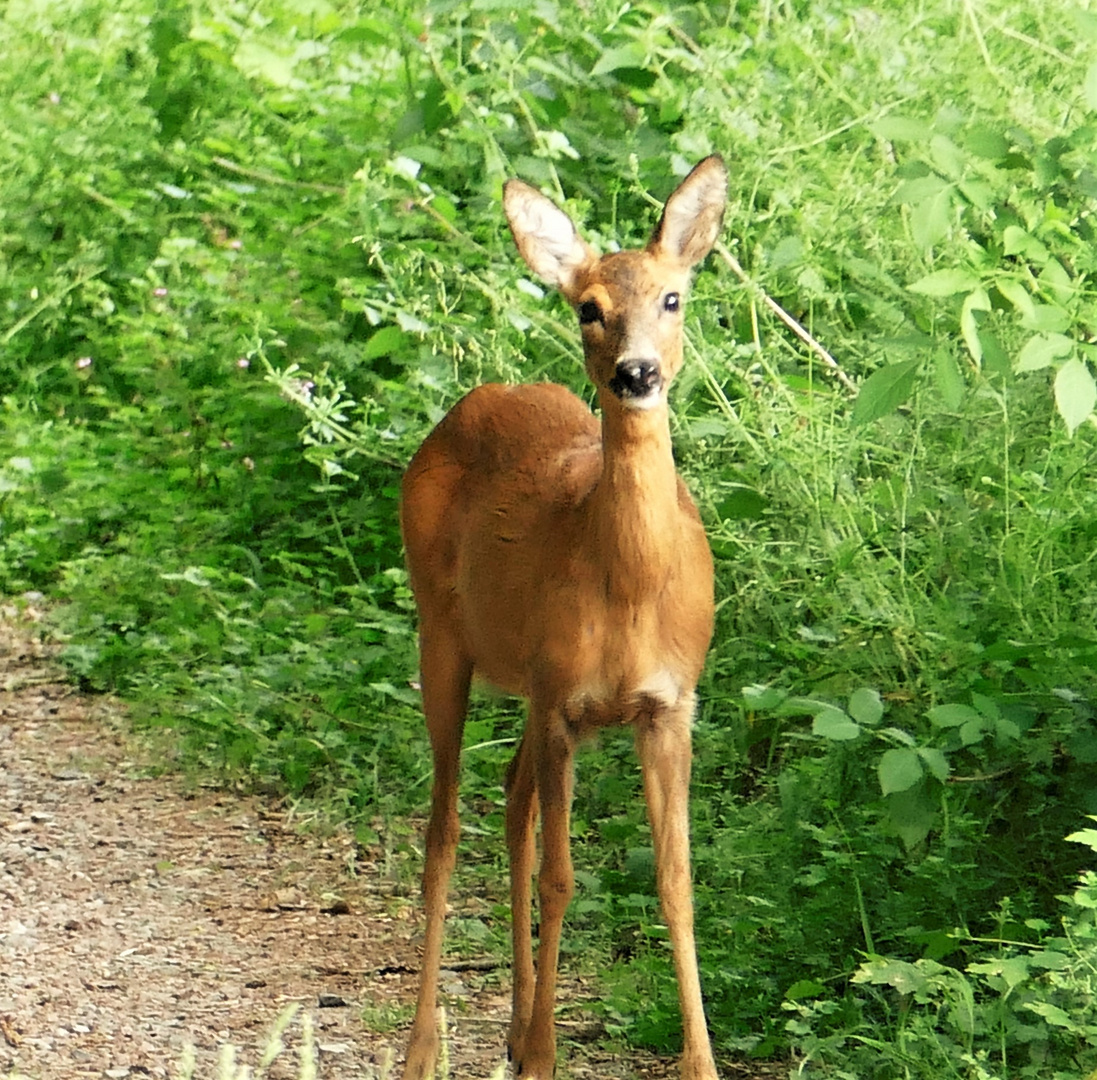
x: 950, y: 383
x: 1051, y: 1013
x: 1075, y: 393
x: 947, y: 156
x: 631, y: 55
x: 945, y: 282
x: 951, y: 715
x: 900, y: 768
x: 929, y: 220
x: 1012, y: 969
x: 1049, y: 959
x: 911, y: 815
x: 1040, y: 350
x: 899, y: 735
x: 885, y: 390
x: 972, y: 732
x: 258, y: 61
x: 1046, y: 319
x: 1089, y: 88
x: 805, y: 988
x: 1015, y: 241
x: 987, y: 142
x: 1055, y: 280
x: 976, y: 300
x: 834, y: 724
x: 895, y: 128
x: 935, y: 761
x: 762, y: 698
x: 986, y: 706
x: 742, y: 503
x: 1084, y: 836
x: 920, y: 189
x: 901, y: 975
x: 1017, y: 295
x: 865, y: 706
x: 387, y: 340
x: 398, y: 693
x: 1007, y: 730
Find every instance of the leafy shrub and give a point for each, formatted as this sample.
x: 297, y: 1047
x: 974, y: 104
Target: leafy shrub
x: 249, y: 255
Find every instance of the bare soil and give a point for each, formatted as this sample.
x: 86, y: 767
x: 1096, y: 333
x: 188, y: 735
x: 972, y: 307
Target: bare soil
x: 146, y: 921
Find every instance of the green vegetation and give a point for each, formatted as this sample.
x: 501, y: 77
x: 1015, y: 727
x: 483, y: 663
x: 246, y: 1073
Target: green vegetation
x: 250, y: 253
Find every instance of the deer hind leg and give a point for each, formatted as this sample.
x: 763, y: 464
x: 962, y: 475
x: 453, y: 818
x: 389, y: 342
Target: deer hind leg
x: 549, y: 759
x: 663, y: 746
x: 522, y: 809
x: 446, y: 674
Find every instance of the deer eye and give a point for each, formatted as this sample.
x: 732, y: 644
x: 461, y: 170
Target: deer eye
x: 672, y: 302
x: 589, y: 312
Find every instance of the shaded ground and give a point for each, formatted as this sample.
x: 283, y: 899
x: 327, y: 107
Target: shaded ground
x: 142, y: 921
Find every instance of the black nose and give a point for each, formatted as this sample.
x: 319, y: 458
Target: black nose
x: 636, y: 378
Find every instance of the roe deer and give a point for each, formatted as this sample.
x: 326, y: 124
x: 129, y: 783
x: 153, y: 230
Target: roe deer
x: 562, y: 559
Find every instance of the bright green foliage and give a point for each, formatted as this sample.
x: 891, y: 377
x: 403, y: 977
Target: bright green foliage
x: 250, y: 253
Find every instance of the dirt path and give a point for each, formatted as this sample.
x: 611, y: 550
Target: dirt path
x: 143, y: 922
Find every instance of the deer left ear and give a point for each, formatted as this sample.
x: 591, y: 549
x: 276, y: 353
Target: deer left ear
x: 693, y: 214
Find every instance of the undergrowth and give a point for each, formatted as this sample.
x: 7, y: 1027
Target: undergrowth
x: 249, y: 255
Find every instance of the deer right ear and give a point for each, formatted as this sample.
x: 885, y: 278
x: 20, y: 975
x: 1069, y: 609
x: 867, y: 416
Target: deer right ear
x: 546, y: 238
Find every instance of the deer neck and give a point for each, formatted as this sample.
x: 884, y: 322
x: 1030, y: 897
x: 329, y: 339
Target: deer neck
x: 636, y: 516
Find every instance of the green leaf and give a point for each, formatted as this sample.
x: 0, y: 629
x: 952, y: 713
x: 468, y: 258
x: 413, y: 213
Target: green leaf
x: 1017, y: 295
x: 1089, y: 88
x: 258, y: 61
x: 945, y: 282
x: 834, y: 724
x: 951, y: 715
x: 976, y: 300
x: 950, y: 383
x: 1084, y: 836
x: 947, y: 156
x: 1075, y: 393
x: 1015, y: 241
x: 1040, y: 350
x: 741, y: 504
x: 885, y: 390
x: 865, y: 706
x: 987, y: 142
x: 972, y: 732
x: 899, y: 769
x: 387, y: 340
x: 895, y: 128
x: 631, y: 55
x: 1051, y: 1013
x: 1047, y: 319
x: 911, y: 815
x: 936, y: 762
x: 763, y: 698
x: 901, y: 975
x: 929, y: 220
x: 919, y: 189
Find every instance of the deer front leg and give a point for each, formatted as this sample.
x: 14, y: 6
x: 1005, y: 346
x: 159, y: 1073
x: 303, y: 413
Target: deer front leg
x: 521, y: 819
x: 552, y: 750
x: 445, y: 677
x: 663, y: 746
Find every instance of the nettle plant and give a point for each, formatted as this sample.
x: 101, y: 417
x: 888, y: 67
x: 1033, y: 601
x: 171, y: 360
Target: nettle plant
x: 1006, y: 220
x: 913, y: 762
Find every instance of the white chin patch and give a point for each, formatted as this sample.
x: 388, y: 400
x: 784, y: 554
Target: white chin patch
x: 648, y: 401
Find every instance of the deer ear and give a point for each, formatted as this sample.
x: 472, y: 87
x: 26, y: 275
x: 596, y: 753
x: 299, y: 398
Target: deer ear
x: 693, y: 214
x: 546, y: 238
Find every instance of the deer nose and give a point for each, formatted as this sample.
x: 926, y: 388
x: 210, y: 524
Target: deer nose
x: 636, y: 378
